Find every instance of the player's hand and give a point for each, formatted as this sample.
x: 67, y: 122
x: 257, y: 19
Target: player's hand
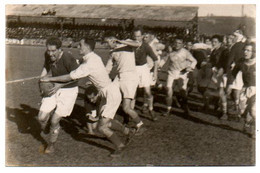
x: 155, y: 76
x: 45, y: 79
x: 56, y: 87
x: 189, y: 69
x: 91, y: 117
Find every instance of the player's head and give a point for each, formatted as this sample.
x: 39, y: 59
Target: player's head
x: 87, y: 45
x: 53, y: 46
x: 91, y: 93
x: 189, y: 44
x: 207, y: 41
x: 216, y: 41
x: 138, y: 34
x: 249, y: 50
x: 178, y: 43
x: 110, y: 39
x: 230, y: 39
x: 148, y: 36
x: 239, y: 33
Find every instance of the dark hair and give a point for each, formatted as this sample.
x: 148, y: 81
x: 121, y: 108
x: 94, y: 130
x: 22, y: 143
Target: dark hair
x: 189, y: 40
x: 138, y: 28
x: 179, y: 38
x: 242, y: 29
x: 54, y: 41
x: 219, y: 37
x: 90, y: 42
x: 253, y: 47
x: 149, y: 32
x: 91, y: 89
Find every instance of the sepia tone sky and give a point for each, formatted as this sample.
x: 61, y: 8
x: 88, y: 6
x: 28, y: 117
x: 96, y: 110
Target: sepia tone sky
x: 227, y: 10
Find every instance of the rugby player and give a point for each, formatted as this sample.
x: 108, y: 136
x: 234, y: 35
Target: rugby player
x: 149, y: 37
x: 247, y: 66
x: 57, y: 63
x: 123, y: 57
x: 108, y: 93
x: 181, y: 62
x: 235, y: 55
x: 142, y: 50
x: 218, y: 65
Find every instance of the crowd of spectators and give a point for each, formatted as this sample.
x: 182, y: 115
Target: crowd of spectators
x: 36, y: 30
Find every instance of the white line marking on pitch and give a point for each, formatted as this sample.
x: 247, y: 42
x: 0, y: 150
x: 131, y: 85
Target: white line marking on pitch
x: 22, y: 80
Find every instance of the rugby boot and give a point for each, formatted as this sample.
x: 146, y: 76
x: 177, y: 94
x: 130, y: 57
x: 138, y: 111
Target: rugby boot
x: 153, y: 116
x: 117, y: 152
x: 224, y: 116
x: 50, y: 148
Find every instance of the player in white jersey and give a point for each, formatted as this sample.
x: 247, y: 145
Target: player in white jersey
x: 123, y: 58
x: 142, y: 50
x: 181, y: 62
x: 108, y: 92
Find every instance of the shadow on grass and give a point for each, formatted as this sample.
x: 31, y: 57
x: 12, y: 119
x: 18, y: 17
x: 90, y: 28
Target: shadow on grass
x: 76, y: 123
x: 26, y: 120
x: 200, y: 121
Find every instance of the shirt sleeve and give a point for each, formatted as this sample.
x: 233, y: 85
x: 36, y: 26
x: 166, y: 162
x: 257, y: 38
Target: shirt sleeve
x: 151, y: 53
x: 109, y: 64
x: 82, y: 71
x: 46, y: 62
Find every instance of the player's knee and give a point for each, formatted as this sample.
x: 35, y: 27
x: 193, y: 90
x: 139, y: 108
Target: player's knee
x: 221, y: 92
x: 126, y: 109
x: 104, y: 129
x: 55, y: 119
x: 169, y: 91
x: 42, y: 116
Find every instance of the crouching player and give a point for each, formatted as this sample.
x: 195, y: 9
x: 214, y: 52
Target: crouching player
x: 247, y: 97
x: 91, y: 109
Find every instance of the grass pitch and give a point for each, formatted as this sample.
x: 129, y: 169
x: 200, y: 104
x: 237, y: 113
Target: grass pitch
x: 178, y: 140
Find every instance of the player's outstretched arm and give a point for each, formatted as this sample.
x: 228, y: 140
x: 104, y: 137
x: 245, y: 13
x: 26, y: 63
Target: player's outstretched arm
x: 44, y: 72
x: 63, y: 78
x: 130, y: 43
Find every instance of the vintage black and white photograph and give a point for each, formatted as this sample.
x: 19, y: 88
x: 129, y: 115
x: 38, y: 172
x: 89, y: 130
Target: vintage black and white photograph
x: 130, y: 85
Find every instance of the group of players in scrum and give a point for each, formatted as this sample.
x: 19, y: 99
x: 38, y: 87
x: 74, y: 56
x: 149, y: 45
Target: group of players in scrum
x: 216, y: 74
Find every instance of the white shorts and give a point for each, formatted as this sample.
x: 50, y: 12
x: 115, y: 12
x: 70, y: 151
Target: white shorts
x: 110, y: 101
x: 63, y: 100
x: 238, y: 82
x: 144, y: 76
x: 128, y: 84
x: 247, y: 100
x: 182, y: 79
